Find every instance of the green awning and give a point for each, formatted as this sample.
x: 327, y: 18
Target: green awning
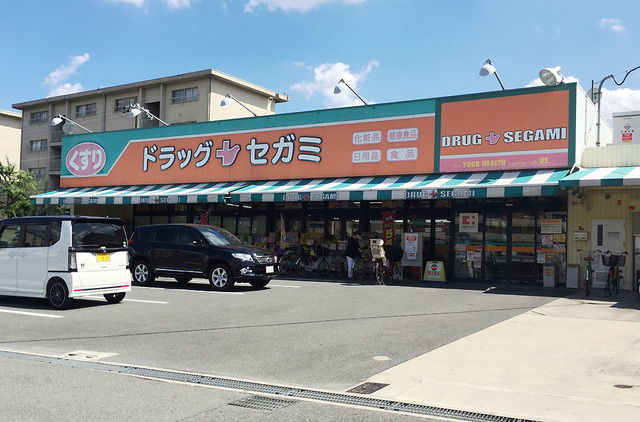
x: 604, y: 176
x: 526, y: 183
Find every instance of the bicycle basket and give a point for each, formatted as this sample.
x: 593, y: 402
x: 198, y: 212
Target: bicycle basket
x: 609, y: 260
x: 621, y: 260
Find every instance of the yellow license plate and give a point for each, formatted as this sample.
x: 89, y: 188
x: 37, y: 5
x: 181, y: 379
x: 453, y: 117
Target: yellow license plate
x: 103, y: 257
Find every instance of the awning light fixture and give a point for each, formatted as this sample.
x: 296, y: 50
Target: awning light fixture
x: 69, y: 127
x: 551, y: 76
x: 338, y: 90
x: 227, y: 99
x: 488, y: 69
x: 137, y: 109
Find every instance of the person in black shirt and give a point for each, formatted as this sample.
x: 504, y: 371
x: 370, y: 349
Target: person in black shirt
x: 352, y: 252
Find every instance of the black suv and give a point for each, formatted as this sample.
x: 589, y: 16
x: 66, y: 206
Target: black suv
x: 184, y: 251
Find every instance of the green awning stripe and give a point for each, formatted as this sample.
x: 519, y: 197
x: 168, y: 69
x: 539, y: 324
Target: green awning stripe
x: 433, y: 186
x: 605, y: 176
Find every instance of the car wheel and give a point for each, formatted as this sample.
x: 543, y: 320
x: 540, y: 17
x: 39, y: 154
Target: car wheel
x: 220, y: 277
x: 143, y: 273
x: 260, y: 283
x: 115, y: 297
x: 183, y: 280
x: 58, y: 294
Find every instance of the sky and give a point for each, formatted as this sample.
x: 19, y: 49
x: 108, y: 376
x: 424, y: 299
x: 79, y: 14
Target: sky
x: 386, y: 50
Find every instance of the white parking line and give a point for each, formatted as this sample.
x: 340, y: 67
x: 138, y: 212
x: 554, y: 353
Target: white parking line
x: 283, y: 285
x: 31, y: 314
x: 146, y: 301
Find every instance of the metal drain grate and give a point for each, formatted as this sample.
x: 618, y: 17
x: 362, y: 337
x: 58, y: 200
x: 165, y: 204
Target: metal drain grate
x: 263, y: 403
x: 277, y: 390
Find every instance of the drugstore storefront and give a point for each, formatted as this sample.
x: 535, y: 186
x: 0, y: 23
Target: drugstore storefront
x: 475, y: 176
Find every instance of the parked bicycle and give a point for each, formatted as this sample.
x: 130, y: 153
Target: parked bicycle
x: 589, y: 275
x: 614, y: 272
x: 310, y: 261
x: 387, y: 261
x: 364, y: 265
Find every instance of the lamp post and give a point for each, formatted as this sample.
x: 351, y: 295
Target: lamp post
x: 225, y: 101
x: 599, y: 94
x: 137, y: 109
x: 337, y: 90
x: 68, y: 129
x: 488, y: 69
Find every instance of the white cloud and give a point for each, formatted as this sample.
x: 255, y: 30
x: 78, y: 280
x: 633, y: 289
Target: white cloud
x: 172, y: 4
x: 291, y: 5
x: 56, y: 79
x: 325, y: 78
x: 613, y: 101
x: 612, y: 24
x: 136, y: 3
x: 617, y: 100
x: 64, y: 89
x: 179, y: 4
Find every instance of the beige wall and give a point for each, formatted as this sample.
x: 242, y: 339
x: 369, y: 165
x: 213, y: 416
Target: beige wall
x: 621, y: 203
x: 10, y: 137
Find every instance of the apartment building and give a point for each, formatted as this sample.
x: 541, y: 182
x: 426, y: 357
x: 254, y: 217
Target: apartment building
x: 10, y: 137
x: 184, y: 98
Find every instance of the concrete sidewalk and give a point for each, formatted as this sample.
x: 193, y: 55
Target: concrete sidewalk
x: 570, y: 360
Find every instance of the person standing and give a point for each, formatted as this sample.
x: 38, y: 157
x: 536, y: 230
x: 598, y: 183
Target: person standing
x: 352, y: 252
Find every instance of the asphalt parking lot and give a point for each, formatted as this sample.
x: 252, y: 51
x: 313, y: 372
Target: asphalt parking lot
x: 322, y: 336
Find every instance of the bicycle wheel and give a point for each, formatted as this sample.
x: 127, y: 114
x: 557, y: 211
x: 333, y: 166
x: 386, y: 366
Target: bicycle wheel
x: 323, y: 268
x: 395, y: 272
x: 286, y: 264
x: 616, y: 286
x: 303, y: 265
x: 610, y: 284
x: 379, y: 271
x: 587, y: 284
x: 358, y: 269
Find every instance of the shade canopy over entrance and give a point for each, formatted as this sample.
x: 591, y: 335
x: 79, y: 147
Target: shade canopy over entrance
x: 500, y: 184
x: 605, y: 176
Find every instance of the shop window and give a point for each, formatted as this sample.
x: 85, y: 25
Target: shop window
x: 259, y: 225
x: 495, y: 250
x: 141, y: 220
x: 468, y: 245
x: 551, y: 256
x: 523, y: 253
x: 244, y: 229
x: 229, y: 223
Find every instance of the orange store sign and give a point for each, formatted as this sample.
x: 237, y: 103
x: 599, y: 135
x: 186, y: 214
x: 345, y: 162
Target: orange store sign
x: 401, y: 145
x: 505, y: 133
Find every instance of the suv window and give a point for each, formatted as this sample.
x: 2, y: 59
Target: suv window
x: 220, y: 236
x: 54, y: 236
x: 10, y: 236
x: 92, y: 234
x: 35, y: 235
x: 186, y: 237
x: 164, y: 234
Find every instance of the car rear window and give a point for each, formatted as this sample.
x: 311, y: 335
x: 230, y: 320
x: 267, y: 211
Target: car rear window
x: 91, y: 234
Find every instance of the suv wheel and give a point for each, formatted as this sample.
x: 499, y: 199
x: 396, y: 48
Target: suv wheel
x: 143, y: 273
x: 220, y: 277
